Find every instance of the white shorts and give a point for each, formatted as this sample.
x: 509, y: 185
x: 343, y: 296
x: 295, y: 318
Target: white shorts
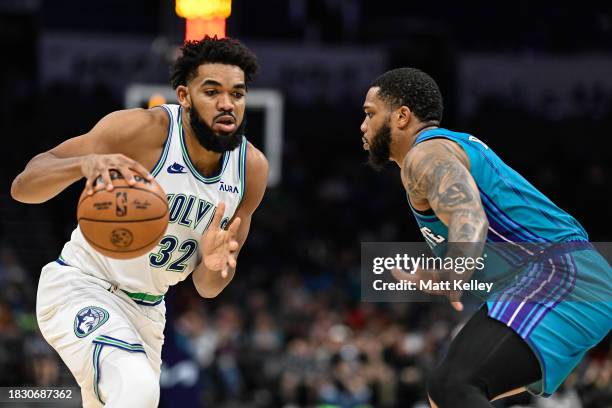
x: 86, y: 319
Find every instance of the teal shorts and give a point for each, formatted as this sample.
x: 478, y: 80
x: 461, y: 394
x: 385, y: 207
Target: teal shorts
x: 574, y: 315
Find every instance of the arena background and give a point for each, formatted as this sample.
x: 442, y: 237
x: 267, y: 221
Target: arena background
x: 532, y: 79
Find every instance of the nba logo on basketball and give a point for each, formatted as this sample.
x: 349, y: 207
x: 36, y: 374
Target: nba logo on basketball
x: 121, y: 204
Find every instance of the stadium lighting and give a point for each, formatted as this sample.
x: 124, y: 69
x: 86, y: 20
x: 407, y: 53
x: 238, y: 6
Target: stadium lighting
x: 204, y: 17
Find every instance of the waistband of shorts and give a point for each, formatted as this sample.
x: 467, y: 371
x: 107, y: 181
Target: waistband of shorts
x: 145, y: 299
x: 141, y: 298
x: 563, y: 248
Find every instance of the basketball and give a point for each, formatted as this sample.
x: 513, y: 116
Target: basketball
x: 126, y: 222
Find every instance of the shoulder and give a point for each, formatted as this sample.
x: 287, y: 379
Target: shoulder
x: 142, y: 127
x: 427, y: 163
x: 425, y: 155
x: 441, y: 147
x: 256, y: 179
x: 256, y: 163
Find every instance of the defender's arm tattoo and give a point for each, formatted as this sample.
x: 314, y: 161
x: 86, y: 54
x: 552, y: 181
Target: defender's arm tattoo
x: 434, y: 172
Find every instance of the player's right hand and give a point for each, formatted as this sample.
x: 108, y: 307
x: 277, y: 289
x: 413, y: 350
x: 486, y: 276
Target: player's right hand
x: 219, y: 245
x: 94, y: 166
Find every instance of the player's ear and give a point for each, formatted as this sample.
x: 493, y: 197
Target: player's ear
x: 182, y: 96
x: 404, y: 114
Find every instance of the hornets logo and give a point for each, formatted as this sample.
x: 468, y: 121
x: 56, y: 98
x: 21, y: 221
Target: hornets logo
x: 89, y: 319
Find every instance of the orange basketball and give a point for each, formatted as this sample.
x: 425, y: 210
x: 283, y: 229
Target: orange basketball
x: 126, y: 222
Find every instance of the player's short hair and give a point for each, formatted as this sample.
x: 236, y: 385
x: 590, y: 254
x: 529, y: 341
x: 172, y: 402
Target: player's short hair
x: 212, y: 50
x: 412, y: 88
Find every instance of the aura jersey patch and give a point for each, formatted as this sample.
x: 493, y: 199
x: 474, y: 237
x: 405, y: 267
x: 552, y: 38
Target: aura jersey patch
x: 89, y: 319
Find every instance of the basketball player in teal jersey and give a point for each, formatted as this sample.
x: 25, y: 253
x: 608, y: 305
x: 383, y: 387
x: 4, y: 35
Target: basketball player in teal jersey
x: 106, y: 317
x: 460, y: 191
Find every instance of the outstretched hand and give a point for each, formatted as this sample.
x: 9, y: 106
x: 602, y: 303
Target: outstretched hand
x: 219, y: 246
x: 422, y: 275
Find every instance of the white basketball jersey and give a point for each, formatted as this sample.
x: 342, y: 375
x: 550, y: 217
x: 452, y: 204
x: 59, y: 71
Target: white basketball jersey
x: 192, y: 201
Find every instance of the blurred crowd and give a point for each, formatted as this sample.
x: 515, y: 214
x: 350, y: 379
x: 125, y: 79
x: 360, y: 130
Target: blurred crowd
x: 290, y: 346
x: 25, y: 357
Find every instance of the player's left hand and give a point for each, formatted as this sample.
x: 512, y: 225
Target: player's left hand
x: 454, y: 296
x: 219, y: 246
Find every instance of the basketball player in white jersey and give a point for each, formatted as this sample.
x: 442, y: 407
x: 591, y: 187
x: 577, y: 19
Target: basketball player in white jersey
x: 106, y: 317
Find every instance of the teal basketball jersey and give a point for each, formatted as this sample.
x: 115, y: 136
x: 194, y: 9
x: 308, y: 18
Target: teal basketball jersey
x: 555, y: 297
x: 517, y: 211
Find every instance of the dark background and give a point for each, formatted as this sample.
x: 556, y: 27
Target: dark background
x: 291, y: 329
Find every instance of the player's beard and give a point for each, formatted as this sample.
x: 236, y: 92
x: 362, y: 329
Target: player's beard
x: 211, y: 140
x: 380, y: 148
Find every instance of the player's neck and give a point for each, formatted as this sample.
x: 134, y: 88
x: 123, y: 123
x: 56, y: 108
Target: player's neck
x: 403, y: 144
x: 205, y: 161
x: 400, y: 147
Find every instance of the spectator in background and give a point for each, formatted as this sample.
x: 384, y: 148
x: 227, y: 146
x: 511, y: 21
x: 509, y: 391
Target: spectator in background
x: 11, y: 348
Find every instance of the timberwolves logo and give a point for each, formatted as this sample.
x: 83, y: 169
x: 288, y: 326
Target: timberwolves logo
x: 88, y: 320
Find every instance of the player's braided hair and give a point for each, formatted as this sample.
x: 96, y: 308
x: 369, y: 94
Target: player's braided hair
x: 212, y: 50
x: 412, y: 88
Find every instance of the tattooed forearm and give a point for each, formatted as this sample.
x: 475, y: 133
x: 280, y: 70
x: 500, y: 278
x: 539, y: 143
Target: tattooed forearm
x: 467, y: 226
x: 464, y: 228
